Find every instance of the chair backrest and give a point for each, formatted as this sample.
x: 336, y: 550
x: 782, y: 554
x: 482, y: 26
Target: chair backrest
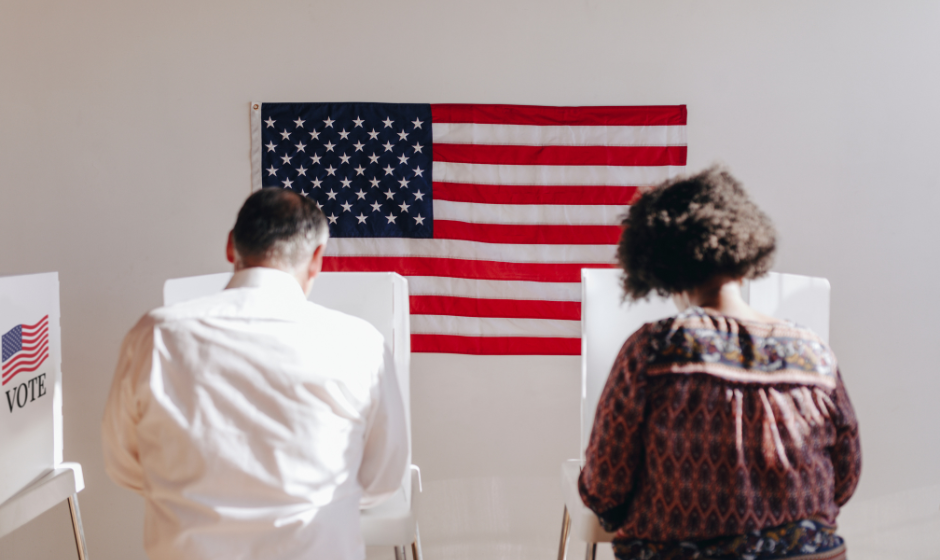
x: 607, y: 321
x: 381, y: 298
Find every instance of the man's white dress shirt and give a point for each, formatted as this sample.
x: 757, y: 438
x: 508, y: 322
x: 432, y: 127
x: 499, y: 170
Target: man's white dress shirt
x: 254, y: 422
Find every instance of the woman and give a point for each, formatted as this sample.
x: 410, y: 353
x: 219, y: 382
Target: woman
x: 721, y: 432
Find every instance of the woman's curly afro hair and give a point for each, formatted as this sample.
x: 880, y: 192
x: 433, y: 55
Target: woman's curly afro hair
x: 681, y: 234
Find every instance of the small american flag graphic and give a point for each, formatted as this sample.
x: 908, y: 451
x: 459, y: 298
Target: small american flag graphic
x: 490, y: 211
x: 25, y: 348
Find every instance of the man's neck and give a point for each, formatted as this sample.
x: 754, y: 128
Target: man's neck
x: 305, y: 282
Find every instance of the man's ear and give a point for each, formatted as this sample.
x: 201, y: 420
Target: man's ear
x: 230, y: 248
x: 316, y: 262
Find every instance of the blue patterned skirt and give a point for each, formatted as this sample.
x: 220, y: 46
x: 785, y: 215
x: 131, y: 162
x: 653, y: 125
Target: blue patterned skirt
x: 807, y: 539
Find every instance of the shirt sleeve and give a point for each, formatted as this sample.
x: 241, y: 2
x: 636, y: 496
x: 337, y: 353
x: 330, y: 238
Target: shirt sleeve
x: 846, y: 454
x: 385, y: 456
x: 615, y: 451
x: 122, y: 411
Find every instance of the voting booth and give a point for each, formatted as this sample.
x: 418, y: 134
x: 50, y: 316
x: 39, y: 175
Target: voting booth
x: 381, y: 298
x: 33, y: 478
x: 606, y: 323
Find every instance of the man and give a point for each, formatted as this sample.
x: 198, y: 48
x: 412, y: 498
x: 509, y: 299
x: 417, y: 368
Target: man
x: 254, y: 422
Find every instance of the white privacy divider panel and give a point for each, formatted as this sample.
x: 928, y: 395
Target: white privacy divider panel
x: 802, y: 299
x: 31, y: 418
x: 176, y: 290
x: 33, y: 478
x: 606, y: 323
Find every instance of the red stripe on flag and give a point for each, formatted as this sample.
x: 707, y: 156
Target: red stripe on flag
x: 27, y: 327
x: 29, y: 351
x: 541, y: 235
x: 651, y: 115
x: 504, y: 308
x: 32, y: 366
x: 36, y: 340
x: 32, y: 337
x: 495, y: 345
x: 560, y: 155
x: 503, y: 194
x: 22, y: 357
x: 461, y: 268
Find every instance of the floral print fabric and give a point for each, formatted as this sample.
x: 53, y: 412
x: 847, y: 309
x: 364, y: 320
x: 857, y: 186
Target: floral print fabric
x: 710, y: 427
x: 801, y: 539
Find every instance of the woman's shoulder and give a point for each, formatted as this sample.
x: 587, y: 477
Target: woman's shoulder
x: 697, y: 319
x: 700, y: 341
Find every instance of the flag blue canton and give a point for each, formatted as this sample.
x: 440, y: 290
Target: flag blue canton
x: 12, y: 342
x: 368, y: 165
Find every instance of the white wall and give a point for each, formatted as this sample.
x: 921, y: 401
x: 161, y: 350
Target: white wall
x: 124, y: 156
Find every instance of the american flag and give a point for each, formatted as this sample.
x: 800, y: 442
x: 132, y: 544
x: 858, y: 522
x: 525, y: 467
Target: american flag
x: 25, y: 348
x: 490, y: 211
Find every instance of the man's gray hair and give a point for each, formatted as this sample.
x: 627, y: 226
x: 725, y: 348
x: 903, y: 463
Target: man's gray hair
x: 278, y: 225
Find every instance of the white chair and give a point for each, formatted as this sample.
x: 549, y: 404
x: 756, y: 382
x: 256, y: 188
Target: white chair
x: 380, y: 298
x: 606, y: 322
x: 394, y: 521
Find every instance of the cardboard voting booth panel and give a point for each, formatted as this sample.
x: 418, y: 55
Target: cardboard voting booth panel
x: 33, y: 479
x: 801, y: 299
x: 606, y: 323
x: 381, y: 298
x: 31, y: 419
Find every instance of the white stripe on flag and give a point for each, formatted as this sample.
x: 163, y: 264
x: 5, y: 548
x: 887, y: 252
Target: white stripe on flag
x: 469, y: 250
x: 489, y: 326
x: 549, y: 175
x: 529, y: 135
x: 493, y: 289
x: 533, y: 214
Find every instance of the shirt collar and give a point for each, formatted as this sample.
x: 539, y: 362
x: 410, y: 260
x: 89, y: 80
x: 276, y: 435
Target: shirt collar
x: 267, y: 279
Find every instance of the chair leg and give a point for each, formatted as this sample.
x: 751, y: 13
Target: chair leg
x: 77, y: 528
x: 416, y: 545
x: 591, y: 552
x: 565, y: 529
x: 401, y: 553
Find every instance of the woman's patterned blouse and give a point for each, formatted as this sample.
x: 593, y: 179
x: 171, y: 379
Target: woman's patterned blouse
x: 712, y: 426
